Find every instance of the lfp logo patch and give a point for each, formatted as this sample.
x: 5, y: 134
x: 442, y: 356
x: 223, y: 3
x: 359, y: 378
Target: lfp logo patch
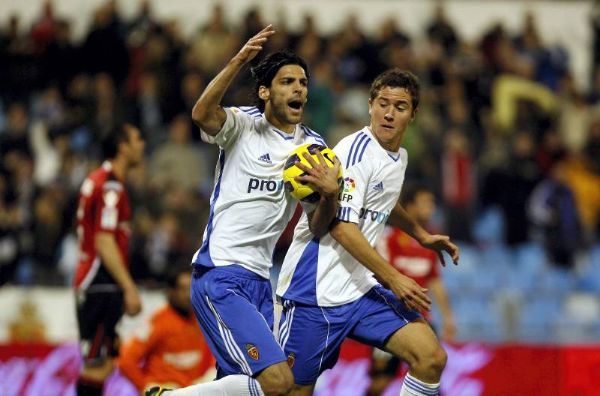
x: 349, y: 184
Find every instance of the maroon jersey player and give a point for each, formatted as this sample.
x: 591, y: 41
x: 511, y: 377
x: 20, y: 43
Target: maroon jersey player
x: 413, y: 260
x: 104, y: 288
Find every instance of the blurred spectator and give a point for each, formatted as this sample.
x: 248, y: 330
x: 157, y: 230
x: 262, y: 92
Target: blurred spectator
x: 105, y: 38
x: 14, y: 139
x: 27, y: 326
x: 178, y: 162
x: 510, y: 185
x: 458, y: 187
x: 10, y: 223
x: 552, y: 207
x: 441, y: 30
x: 213, y: 45
x: 148, y: 109
x: 44, y: 28
x: 170, y: 349
x: 585, y: 185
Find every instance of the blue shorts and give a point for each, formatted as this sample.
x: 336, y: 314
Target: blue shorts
x: 311, y: 336
x: 234, y: 307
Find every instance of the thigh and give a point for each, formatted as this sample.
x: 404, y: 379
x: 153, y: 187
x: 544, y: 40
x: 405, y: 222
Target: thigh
x: 413, y: 341
x: 381, y: 315
x: 311, y: 337
x: 97, y: 317
x: 238, y: 334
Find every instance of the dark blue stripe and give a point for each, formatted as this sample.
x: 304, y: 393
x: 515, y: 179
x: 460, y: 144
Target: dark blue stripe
x: 253, y: 388
x: 204, y: 256
x: 420, y: 388
x: 352, y: 148
x: 363, y: 150
x: 392, y: 157
x: 313, y: 134
x: 283, y: 135
x: 361, y: 141
x: 251, y: 110
x: 304, y: 281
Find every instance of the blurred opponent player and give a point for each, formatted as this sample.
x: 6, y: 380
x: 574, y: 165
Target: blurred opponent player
x: 327, y: 284
x: 413, y: 260
x: 231, y: 291
x: 103, y: 285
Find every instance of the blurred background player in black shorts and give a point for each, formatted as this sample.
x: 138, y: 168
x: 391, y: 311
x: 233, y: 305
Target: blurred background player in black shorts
x: 104, y: 288
x: 411, y: 259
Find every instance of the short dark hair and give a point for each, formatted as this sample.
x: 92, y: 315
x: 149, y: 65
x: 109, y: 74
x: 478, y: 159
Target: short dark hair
x: 110, y: 143
x: 173, y: 274
x: 410, y: 192
x: 397, y: 78
x: 264, y: 72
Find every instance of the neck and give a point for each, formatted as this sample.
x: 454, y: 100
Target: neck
x: 282, y: 126
x: 119, y: 168
x: 393, y: 146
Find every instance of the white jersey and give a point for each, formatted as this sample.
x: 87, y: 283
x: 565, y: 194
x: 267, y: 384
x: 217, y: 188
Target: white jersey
x: 249, y: 207
x: 319, y: 271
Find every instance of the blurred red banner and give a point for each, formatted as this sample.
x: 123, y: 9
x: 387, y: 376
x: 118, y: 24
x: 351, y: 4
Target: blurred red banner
x: 473, y: 369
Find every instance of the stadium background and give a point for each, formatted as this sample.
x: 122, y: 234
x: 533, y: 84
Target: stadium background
x: 509, y: 107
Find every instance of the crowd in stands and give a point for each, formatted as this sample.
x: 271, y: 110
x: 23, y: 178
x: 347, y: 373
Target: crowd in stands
x: 502, y: 124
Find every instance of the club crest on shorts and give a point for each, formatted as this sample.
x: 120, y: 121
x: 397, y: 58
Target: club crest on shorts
x: 291, y: 359
x: 252, y: 351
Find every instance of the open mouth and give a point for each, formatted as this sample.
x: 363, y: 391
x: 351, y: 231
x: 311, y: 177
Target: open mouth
x: 295, y: 104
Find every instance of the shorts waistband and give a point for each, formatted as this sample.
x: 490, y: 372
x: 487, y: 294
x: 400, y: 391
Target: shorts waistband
x: 234, y: 269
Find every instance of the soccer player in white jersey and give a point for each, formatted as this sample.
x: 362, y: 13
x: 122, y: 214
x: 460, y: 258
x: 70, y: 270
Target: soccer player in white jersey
x: 231, y: 291
x: 331, y: 286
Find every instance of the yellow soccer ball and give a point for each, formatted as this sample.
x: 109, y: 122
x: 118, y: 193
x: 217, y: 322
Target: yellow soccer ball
x: 305, y: 191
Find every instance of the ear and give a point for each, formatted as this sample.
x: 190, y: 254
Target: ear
x: 414, y: 114
x: 263, y: 93
x: 370, y: 105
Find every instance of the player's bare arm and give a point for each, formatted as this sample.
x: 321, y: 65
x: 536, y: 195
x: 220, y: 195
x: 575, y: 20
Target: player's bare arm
x: 351, y: 238
x: 439, y: 243
x: 208, y: 113
x: 325, y: 180
x: 441, y: 298
x: 107, y: 248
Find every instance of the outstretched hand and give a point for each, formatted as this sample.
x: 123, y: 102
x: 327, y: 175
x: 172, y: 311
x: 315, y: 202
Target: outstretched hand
x: 323, y: 177
x: 442, y: 243
x: 254, y: 45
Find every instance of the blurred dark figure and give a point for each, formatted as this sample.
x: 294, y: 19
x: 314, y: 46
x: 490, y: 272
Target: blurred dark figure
x: 105, y: 38
x: 552, y: 208
x: 595, y: 22
x: 458, y: 185
x: 61, y: 58
x: 9, y: 226
x: 441, y: 31
x: 510, y: 185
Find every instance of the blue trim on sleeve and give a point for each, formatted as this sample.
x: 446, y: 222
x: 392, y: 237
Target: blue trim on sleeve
x: 204, y: 252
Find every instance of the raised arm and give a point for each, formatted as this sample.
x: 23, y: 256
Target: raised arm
x: 399, y: 218
x: 351, y: 238
x: 208, y: 113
